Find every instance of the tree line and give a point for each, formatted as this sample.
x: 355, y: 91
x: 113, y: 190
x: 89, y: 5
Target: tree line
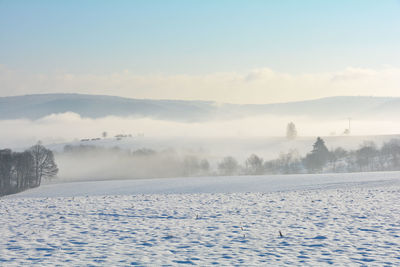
x: 145, y: 163
x: 22, y: 170
x: 368, y: 157
x: 122, y: 163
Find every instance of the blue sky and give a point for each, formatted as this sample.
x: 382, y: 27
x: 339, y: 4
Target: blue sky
x: 198, y: 37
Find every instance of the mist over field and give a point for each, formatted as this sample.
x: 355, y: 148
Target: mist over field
x: 65, y: 118
x: 174, y: 138
x: 70, y: 126
x: 164, y: 147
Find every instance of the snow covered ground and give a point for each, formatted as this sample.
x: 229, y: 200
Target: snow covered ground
x: 341, y: 219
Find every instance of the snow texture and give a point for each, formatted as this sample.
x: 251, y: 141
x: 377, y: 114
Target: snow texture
x: 204, y: 221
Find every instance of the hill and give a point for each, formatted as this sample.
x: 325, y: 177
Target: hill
x: 97, y: 106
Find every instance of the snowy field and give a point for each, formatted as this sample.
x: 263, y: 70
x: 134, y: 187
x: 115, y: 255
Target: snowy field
x: 341, y: 219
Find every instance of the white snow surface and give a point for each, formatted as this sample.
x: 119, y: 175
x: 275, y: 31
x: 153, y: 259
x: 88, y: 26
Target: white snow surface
x: 211, y: 184
x: 340, y: 219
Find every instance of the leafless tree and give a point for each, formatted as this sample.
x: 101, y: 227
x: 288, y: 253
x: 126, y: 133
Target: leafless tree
x: 254, y: 165
x: 228, y: 166
x: 24, y: 170
x: 365, y: 156
x: 5, y: 170
x: 43, y: 163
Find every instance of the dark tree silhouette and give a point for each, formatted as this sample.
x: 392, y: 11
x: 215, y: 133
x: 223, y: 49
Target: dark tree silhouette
x: 318, y: 157
x: 6, y: 166
x: 24, y: 170
x: 43, y: 163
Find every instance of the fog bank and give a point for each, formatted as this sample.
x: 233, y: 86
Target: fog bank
x: 67, y: 127
x: 175, y: 141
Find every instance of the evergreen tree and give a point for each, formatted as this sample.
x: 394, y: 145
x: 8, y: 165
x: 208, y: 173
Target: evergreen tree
x: 291, y: 132
x: 318, y: 157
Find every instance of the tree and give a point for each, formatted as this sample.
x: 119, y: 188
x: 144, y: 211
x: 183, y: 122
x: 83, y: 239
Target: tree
x: 318, y: 157
x: 144, y: 152
x: 228, y: 166
x: 43, y: 163
x: 289, y: 162
x: 24, y: 170
x: 273, y: 166
x: 336, y: 155
x: 291, y: 132
x: 191, y: 165
x: 390, y: 152
x: 6, y: 167
x: 254, y: 165
x: 365, y: 156
x: 204, y: 166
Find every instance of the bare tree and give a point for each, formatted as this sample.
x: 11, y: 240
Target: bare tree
x: 43, y: 163
x: 228, y: 166
x: 6, y: 166
x: 289, y: 162
x: 254, y: 165
x: 390, y: 153
x: 204, y: 167
x: 365, y: 156
x: 335, y: 156
x: 191, y: 165
x: 24, y: 170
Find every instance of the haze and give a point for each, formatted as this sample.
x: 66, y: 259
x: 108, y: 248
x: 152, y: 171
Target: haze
x: 236, y: 52
x: 68, y: 127
x: 228, y: 52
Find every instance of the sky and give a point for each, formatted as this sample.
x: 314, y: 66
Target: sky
x: 225, y: 51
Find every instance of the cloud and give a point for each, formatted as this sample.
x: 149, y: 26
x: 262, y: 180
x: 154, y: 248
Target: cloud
x: 262, y: 85
x: 351, y: 74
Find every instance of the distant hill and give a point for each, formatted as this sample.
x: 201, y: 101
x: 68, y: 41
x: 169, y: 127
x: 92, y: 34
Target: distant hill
x: 96, y: 106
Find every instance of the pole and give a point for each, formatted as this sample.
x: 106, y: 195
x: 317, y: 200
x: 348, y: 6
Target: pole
x: 349, y: 125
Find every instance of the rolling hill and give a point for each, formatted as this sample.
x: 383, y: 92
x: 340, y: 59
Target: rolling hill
x: 96, y: 106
